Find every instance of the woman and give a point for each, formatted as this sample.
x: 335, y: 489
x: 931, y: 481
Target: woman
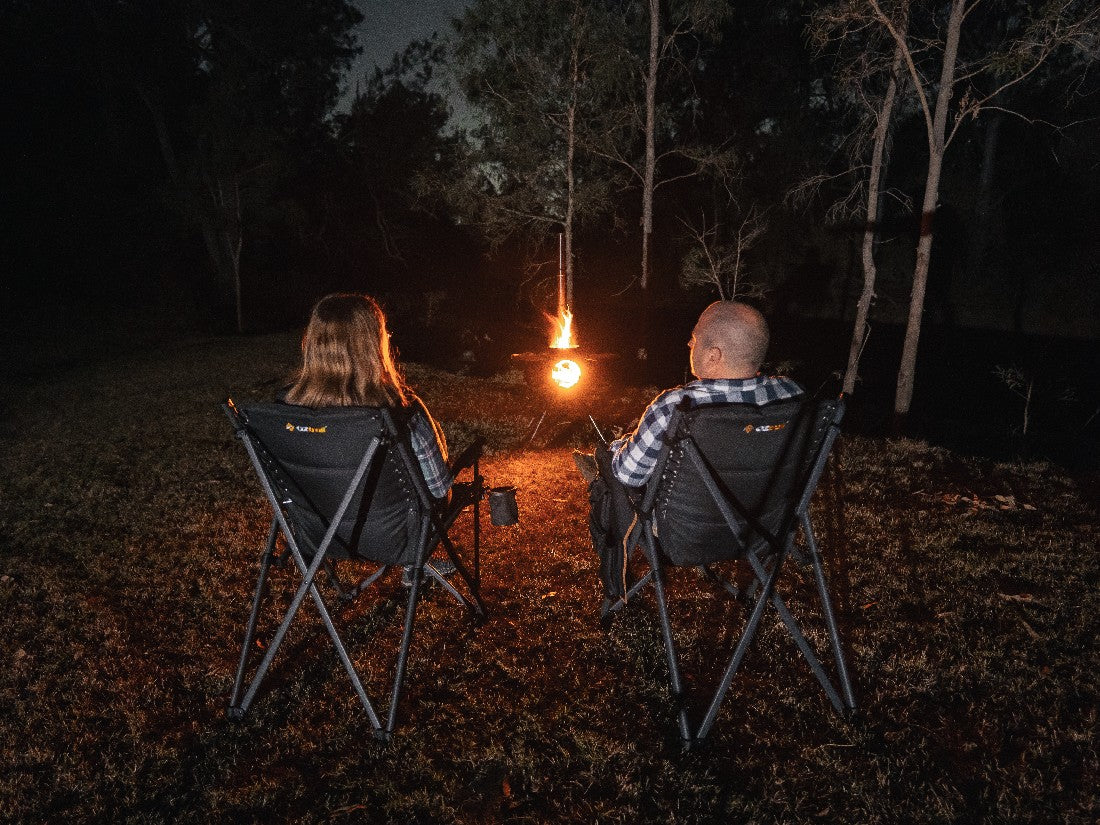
x: 347, y: 362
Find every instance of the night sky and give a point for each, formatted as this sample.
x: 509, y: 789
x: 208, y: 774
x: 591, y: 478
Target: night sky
x: 389, y: 25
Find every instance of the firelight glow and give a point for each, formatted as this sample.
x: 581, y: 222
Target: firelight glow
x: 566, y: 373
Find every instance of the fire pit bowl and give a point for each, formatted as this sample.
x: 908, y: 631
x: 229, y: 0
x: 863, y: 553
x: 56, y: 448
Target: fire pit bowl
x: 543, y: 370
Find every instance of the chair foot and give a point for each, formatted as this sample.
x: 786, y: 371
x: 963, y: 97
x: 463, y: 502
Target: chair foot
x: 234, y: 713
x: 610, y: 606
x: 383, y: 736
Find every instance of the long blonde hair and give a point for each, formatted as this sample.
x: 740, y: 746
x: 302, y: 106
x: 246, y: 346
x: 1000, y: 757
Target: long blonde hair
x: 346, y: 357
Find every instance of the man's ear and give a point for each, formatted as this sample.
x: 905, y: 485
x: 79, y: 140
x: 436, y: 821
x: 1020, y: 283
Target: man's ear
x: 714, y: 355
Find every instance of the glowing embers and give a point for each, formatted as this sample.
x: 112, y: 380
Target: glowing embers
x: 565, y: 373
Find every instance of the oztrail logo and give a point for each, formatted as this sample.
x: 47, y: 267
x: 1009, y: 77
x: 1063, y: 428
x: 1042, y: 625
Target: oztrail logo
x: 302, y: 428
x: 764, y: 428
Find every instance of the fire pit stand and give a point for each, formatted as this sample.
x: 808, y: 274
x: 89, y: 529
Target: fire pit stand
x: 573, y: 401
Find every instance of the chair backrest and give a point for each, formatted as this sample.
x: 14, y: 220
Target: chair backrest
x: 310, y: 458
x: 760, y: 458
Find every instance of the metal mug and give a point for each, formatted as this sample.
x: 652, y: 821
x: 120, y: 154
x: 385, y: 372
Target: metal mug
x: 503, y: 510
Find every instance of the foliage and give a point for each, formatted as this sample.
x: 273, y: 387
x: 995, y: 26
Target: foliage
x: 717, y: 258
x: 392, y: 136
x: 536, y: 78
x: 238, y: 96
x: 966, y: 593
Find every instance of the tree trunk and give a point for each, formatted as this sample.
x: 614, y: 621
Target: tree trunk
x: 650, y: 137
x: 984, y: 209
x: 570, y: 175
x: 236, y: 241
x: 222, y: 233
x: 870, y: 230
x: 936, y: 148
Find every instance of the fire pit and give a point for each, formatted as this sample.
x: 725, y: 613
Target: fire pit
x: 562, y: 371
x: 561, y: 374
x: 566, y: 378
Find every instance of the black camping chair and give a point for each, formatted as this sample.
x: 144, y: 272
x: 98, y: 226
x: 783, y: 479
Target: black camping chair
x: 734, y: 481
x: 343, y: 483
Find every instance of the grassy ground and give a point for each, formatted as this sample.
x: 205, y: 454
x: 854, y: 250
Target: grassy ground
x: 131, y: 524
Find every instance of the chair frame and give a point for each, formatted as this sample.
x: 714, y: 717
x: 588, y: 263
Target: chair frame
x: 766, y: 565
x: 435, y: 520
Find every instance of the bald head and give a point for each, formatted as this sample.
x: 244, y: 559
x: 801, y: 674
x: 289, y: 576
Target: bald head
x: 730, y: 340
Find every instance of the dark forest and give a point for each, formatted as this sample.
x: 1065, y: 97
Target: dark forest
x: 202, y: 167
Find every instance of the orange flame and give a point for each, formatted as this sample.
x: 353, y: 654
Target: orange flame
x: 564, y: 327
x: 566, y: 373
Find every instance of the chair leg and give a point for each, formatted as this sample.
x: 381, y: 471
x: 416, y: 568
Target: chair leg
x: 742, y: 647
x: 830, y: 617
x: 446, y: 585
x: 614, y: 605
x: 234, y: 711
x: 367, y: 582
x: 721, y: 581
x: 330, y: 572
x: 345, y: 659
x: 795, y: 631
x: 474, y: 603
x: 678, y: 695
x: 308, y: 586
x: 406, y: 640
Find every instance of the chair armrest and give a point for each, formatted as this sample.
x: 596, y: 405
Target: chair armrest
x: 463, y: 494
x: 468, y: 456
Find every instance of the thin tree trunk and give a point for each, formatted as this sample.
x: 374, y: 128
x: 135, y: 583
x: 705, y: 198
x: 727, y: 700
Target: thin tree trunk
x: 224, y: 235
x: 236, y: 241
x: 650, y: 137
x: 160, y: 126
x: 983, y: 212
x: 936, y: 148
x: 570, y: 174
x: 870, y: 230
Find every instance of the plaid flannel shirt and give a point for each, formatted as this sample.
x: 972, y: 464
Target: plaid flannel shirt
x: 428, y: 454
x: 634, y: 457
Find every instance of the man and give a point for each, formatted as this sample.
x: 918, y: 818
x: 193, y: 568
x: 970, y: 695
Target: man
x: 727, y: 347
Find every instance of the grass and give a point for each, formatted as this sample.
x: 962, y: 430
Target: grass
x: 131, y: 527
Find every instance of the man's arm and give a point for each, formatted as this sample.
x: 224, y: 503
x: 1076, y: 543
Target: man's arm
x: 634, y: 457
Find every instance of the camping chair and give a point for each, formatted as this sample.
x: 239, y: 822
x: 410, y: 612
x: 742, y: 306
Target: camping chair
x: 343, y: 483
x: 734, y: 481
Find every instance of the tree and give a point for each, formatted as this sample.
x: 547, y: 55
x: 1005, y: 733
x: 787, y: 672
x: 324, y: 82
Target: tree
x: 996, y: 57
x: 238, y: 94
x: 391, y: 139
x: 1066, y: 23
x: 859, y: 74
x: 668, y: 104
x: 717, y: 257
x: 535, y: 75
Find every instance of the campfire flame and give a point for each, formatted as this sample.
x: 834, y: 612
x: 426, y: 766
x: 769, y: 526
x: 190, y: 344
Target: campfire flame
x: 566, y: 373
x: 564, y: 327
